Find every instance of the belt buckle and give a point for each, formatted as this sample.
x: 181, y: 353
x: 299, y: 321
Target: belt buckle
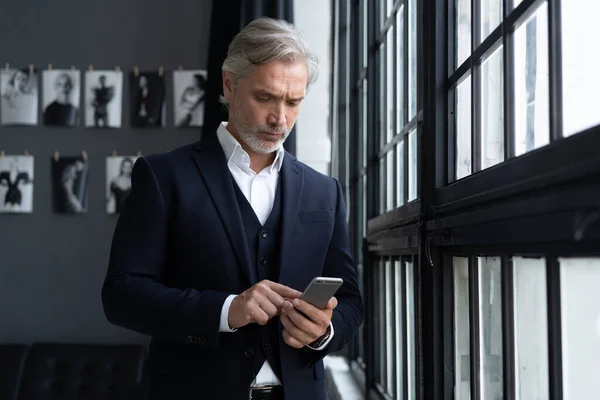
x: 258, y: 387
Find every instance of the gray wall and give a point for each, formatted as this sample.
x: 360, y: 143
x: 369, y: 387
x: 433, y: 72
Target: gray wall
x: 52, y: 266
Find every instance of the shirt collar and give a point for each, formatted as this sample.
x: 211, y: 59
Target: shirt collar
x: 235, y: 153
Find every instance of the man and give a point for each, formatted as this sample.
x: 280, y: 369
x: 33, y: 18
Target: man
x: 217, y: 240
x: 102, y: 96
x: 61, y: 111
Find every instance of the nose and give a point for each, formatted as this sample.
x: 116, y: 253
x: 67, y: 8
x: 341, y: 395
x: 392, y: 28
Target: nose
x: 277, y: 115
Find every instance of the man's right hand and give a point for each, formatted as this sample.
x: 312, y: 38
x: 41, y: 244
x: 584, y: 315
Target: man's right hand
x: 259, y: 304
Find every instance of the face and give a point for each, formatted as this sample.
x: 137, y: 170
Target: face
x: 126, y: 168
x: 64, y: 85
x: 143, y: 81
x: 102, y: 80
x: 20, y: 80
x: 264, y: 106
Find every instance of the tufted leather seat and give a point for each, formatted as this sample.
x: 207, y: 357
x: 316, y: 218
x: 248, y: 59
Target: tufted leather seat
x: 79, y: 371
x: 12, y: 359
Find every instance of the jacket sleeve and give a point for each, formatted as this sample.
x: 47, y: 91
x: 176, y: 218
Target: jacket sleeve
x: 349, y: 313
x: 133, y: 296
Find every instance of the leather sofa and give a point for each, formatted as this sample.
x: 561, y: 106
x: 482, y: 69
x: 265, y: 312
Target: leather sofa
x: 49, y: 371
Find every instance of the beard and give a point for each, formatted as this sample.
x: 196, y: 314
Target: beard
x: 254, y: 135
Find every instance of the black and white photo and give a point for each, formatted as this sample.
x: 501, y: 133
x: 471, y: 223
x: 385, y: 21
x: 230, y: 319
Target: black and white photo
x: 19, y: 91
x: 147, y: 94
x: 16, y: 184
x: 70, y: 185
x: 103, y: 99
x: 189, y: 88
x: 118, y: 181
x: 61, y: 97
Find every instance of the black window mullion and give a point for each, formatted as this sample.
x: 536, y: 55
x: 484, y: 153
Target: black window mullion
x: 474, y: 328
x: 555, y: 69
x: 509, y: 84
x: 372, y: 119
x: 404, y: 325
x: 554, y: 329
x: 406, y: 60
x: 508, y: 328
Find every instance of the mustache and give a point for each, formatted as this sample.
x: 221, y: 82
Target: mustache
x: 271, y: 129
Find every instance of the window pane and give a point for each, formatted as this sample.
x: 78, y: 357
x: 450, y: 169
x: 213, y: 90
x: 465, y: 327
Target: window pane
x: 531, y: 328
x: 462, y: 353
x: 390, y: 180
x: 389, y: 105
x: 400, y: 68
x: 400, y: 174
x: 365, y: 129
x: 532, y: 117
x: 412, y: 60
x: 463, y: 129
x: 410, y: 327
x: 364, y: 30
x: 364, y: 205
x: 382, y: 324
x: 383, y: 106
x: 382, y: 185
x: 491, y: 15
x: 399, y: 331
x: 490, y: 330
x: 492, y: 111
x: 412, y: 165
x: 580, y: 327
x: 581, y: 63
x: 389, y: 331
x: 463, y: 30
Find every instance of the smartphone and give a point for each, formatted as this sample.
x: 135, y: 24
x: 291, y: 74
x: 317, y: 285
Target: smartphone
x: 320, y: 290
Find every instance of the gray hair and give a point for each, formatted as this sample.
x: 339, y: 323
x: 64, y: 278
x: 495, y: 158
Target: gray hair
x: 265, y: 40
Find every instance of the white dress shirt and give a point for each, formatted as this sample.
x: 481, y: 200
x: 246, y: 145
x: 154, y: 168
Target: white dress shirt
x: 260, y: 190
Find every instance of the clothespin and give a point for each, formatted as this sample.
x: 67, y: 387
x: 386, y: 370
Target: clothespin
x: 180, y: 68
x: 56, y: 156
x: 117, y: 68
x: 26, y: 152
x: 7, y: 66
x: 31, y: 68
x: 114, y: 153
x: 1, y: 153
x: 84, y: 155
x: 90, y: 67
x: 161, y: 71
x: 72, y: 68
x: 136, y: 71
x: 49, y: 67
x: 139, y: 154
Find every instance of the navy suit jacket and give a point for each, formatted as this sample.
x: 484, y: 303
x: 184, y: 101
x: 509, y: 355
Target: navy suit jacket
x: 179, y: 250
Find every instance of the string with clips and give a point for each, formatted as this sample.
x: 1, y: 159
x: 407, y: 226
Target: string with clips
x: 138, y: 154
x: 136, y: 71
x: 91, y: 68
x: 84, y: 156
x: 3, y: 154
x: 31, y: 68
x: 73, y: 68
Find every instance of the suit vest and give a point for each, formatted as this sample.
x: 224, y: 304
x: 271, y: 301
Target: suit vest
x: 263, y: 243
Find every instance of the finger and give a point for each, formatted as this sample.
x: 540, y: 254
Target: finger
x: 268, y: 307
x: 331, y: 304
x: 291, y: 341
x: 313, y: 313
x: 259, y: 316
x: 301, y: 327
x: 284, y: 291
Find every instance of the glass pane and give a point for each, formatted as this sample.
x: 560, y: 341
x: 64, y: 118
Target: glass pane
x: 412, y: 165
x: 581, y: 81
x: 532, y: 115
x: 389, y: 331
x: 382, y: 324
x: 389, y: 6
x: 463, y: 128
x: 412, y: 59
x: 490, y: 329
x: 580, y: 327
x: 462, y: 352
x: 383, y: 108
x: 516, y: 3
x: 463, y: 30
x: 364, y: 29
x: 410, y: 327
x: 400, y: 174
x: 391, y: 190
x: 390, y: 85
x: 492, y: 111
x: 399, y: 331
x: 400, y: 107
x: 491, y: 15
x: 377, y: 318
x: 364, y: 205
x: 531, y: 328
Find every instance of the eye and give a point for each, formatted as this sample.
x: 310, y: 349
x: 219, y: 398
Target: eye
x: 262, y: 99
x: 293, y: 103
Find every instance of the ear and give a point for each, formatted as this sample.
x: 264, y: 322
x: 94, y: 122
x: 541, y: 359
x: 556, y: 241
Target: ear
x: 227, y: 85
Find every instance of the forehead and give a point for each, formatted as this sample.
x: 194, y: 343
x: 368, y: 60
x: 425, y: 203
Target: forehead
x: 280, y: 77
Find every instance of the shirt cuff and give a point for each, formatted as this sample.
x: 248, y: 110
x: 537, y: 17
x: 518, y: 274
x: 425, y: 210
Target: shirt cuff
x: 326, y: 341
x: 224, y: 324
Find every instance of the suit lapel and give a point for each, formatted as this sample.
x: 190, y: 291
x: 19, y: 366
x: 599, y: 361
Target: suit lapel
x: 292, y: 181
x: 211, y: 163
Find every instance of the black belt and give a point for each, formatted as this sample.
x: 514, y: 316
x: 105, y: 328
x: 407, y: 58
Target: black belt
x: 266, y: 393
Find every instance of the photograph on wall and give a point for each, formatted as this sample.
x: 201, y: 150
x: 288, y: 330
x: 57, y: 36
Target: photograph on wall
x: 61, y: 97
x: 189, y: 88
x: 147, y: 94
x: 118, y: 181
x: 16, y: 184
x: 103, y: 99
x: 19, y: 91
x: 69, y: 185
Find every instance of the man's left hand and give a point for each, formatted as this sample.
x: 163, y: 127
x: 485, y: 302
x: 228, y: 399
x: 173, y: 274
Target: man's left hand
x: 300, y: 330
